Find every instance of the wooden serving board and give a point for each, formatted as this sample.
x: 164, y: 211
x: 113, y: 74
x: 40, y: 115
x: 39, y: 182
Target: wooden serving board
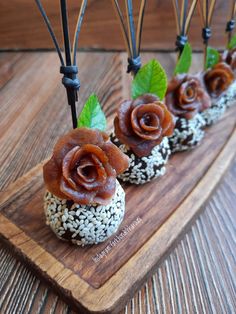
x: 101, y: 278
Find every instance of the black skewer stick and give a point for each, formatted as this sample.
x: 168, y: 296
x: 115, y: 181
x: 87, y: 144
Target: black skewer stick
x: 77, y: 29
x: 230, y: 25
x: 51, y: 32
x: 183, y: 15
x: 71, y: 93
x: 140, y: 25
x: 206, y: 9
x: 131, y: 28
x: 132, y: 38
x: 122, y: 26
x: 65, y: 31
x: 68, y: 67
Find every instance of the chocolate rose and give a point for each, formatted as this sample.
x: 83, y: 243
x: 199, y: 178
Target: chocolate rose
x: 142, y: 123
x: 84, y: 166
x: 186, y: 96
x: 218, y: 79
x: 229, y: 57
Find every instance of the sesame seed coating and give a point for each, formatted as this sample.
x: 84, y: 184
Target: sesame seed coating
x: 84, y: 224
x: 144, y: 169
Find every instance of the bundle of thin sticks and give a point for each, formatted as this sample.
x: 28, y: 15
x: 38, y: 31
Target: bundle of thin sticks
x: 183, y: 14
x: 206, y: 9
x: 132, y: 38
x: 68, y: 67
x: 230, y: 25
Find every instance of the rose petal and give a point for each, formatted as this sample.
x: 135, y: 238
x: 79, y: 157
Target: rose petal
x: 72, y: 160
x: 99, y: 176
x: 123, y: 115
x: 118, y: 160
x: 87, y: 170
x: 105, y: 194
x: 144, y: 99
x: 80, y: 196
x: 218, y: 79
x: 77, y: 137
x: 52, y: 175
x: 68, y: 165
x: 149, y: 122
x: 168, y: 122
x: 145, y: 148
x: 187, y: 102
x: 175, y: 83
x: 139, y: 112
x: 128, y: 140
x: 171, y: 103
x: 206, y: 101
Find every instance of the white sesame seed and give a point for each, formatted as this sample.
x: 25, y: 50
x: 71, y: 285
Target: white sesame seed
x: 65, y: 226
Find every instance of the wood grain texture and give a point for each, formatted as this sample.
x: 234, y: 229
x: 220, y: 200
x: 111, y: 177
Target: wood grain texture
x: 22, y: 26
x: 41, y: 99
x: 157, y: 222
x: 159, y: 294
x: 25, y: 208
x: 198, y: 276
x: 122, y: 284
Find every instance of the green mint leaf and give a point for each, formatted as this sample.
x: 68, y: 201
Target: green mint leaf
x: 92, y: 115
x: 184, y: 61
x: 232, y: 43
x: 212, y: 57
x: 151, y: 78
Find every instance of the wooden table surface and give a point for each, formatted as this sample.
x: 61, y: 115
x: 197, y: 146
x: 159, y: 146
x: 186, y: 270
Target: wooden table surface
x: 197, y: 276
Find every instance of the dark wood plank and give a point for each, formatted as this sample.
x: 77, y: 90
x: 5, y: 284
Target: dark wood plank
x: 168, y: 289
x: 22, y: 205
x: 22, y: 30
x: 151, y: 209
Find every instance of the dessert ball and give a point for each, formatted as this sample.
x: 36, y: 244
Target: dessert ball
x: 84, y: 224
x: 230, y: 95
x: 84, y: 202
x: 187, y: 133
x: 144, y: 169
x: 141, y: 129
x: 219, y: 82
x: 186, y: 98
x: 216, y: 111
